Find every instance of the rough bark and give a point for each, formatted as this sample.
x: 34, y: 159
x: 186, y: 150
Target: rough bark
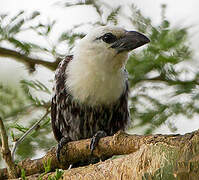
x: 5, y: 151
x: 149, y: 157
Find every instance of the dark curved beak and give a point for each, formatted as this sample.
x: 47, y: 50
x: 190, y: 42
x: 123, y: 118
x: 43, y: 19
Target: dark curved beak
x: 131, y: 40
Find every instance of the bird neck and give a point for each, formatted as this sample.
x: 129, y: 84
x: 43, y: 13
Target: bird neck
x: 93, y: 85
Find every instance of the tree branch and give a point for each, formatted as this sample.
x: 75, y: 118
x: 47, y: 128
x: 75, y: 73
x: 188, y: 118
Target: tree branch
x: 28, y: 61
x: 155, y: 160
x: 119, y: 144
x: 5, y: 151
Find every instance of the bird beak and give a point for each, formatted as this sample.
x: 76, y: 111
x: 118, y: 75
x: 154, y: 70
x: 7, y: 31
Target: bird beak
x: 131, y: 40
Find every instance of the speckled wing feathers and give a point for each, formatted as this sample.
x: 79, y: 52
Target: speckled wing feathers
x: 78, y: 121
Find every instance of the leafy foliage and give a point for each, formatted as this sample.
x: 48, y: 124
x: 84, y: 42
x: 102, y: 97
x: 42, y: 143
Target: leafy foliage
x: 155, y: 69
x: 23, y: 174
x: 112, y: 17
x: 47, y: 168
x: 70, y: 37
x: 58, y: 175
x: 19, y: 104
x: 11, y: 28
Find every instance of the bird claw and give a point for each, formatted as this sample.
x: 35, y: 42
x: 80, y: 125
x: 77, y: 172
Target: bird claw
x: 95, y: 140
x: 62, y: 142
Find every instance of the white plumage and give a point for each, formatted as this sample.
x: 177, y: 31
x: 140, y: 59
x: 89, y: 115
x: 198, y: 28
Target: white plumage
x: 96, y: 74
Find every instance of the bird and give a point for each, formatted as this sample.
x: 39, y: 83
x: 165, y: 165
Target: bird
x: 91, y: 87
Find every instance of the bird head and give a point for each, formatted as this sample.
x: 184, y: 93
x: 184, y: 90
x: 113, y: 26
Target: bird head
x: 96, y: 73
x: 108, y: 46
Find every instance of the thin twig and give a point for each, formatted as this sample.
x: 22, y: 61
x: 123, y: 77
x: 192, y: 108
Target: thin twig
x: 26, y: 133
x: 5, y: 151
x: 27, y: 60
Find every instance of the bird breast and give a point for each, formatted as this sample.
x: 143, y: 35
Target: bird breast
x: 89, y: 84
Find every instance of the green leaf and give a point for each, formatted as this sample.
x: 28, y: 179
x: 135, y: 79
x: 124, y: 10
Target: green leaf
x: 17, y: 16
x: 47, y: 165
x: 24, y: 47
x: 12, y: 135
x: 15, y: 28
x: 19, y: 127
x: 36, y: 85
x: 112, y: 17
x: 58, y: 175
x: 70, y: 37
x: 34, y: 15
x: 2, y: 16
x: 23, y: 174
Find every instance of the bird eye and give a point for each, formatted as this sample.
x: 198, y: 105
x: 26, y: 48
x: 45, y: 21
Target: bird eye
x: 109, y: 38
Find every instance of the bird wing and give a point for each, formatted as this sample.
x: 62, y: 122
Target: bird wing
x: 121, y: 117
x: 60, y: 93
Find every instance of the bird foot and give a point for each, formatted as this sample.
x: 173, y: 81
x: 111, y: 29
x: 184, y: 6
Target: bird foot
x: 62, y: 142
x: 95, y: 140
